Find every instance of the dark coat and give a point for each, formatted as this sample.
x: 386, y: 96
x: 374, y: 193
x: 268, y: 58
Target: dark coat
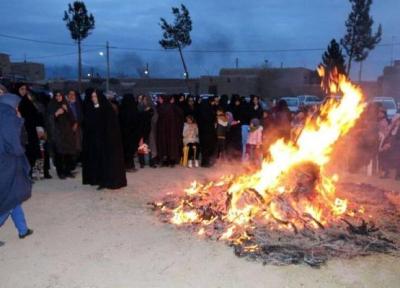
x: 32, y: 119
x: 282, y: 118
x: 169, y: 132
x: 234, y: 140
x: 207, y: 133
x: 130, y: 125
x: 77, y: 111
x: 256, y: 112
x: 60, y: 129
x: 15, y: 184
x: 145, y: 119
x: 102, y: 155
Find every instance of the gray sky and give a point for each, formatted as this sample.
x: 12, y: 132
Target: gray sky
x: 217, y: 25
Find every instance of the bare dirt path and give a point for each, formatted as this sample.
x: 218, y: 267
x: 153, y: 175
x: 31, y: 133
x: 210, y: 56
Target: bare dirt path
x: 86, y: 238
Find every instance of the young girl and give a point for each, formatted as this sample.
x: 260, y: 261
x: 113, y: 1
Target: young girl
x: 254, y: 142
x: 191, y: 140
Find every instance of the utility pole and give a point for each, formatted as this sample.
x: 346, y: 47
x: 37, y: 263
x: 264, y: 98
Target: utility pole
x: 237, y: 63
x: 146, y: 71
x: 108, y: 67
x: 392, y: 54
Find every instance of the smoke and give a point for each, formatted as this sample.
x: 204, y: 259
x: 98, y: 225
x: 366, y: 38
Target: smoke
x: 211, y: 62
x: 169, y: 65
x: 61, y: 72
x: 128, y: 64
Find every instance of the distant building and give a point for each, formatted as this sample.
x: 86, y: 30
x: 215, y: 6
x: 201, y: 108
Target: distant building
x: 389, y: 82
x: 5, y: 65
x: 265, y: 82
x: 28, y: 71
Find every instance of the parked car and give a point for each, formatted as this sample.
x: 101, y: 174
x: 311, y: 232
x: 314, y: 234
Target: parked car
x: 206, y: 96
x: 293, y: 103
x: 309, y: 100
x: 387, y: 103
x: 334, y: 98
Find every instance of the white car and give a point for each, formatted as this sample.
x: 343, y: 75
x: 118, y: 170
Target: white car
x: 309, y: 100
x: 387, y: 103
x: 293, y: 103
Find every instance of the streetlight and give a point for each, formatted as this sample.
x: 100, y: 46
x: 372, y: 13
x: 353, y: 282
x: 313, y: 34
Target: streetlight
x: 101, y: 53
x: 185, y: 75
x: 146, y: 70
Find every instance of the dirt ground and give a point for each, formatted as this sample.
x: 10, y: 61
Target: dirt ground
x: 89, y: 239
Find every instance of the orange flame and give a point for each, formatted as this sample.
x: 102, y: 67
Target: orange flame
x: 273, y: 181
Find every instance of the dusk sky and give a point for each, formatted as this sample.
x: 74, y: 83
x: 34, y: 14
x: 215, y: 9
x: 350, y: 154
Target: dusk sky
x: 217, y: 25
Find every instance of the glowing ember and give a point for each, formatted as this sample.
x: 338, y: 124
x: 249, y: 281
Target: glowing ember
x: 290, y: 193
x: 313, y: 147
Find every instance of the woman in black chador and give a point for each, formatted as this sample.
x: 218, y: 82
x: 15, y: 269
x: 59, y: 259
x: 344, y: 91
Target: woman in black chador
x: 169, y: 131
x: 102, y: 155
x: 61, y: 135
x: 32, y: 120
x: 130, y: 129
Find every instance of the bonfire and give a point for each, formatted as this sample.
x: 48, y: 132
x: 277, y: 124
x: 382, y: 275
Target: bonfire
x: 290, y: 210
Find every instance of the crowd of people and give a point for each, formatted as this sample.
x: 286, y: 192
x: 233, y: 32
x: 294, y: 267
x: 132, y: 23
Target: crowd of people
x: 109, y: 137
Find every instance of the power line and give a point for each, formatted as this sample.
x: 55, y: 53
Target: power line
x: 55, y: 55
x: 44, y: 41
x: 220, y: 51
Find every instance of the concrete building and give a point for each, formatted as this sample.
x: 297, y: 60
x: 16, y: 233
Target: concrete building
x: 28, y: 70
x: 5, y: 65
x: 132, y: 85
x: 389, y: 82
x: 265, y: 82
x: 268, y: 83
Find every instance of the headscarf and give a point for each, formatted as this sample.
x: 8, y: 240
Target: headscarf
x: 17, y: 86
x: 10, y: 100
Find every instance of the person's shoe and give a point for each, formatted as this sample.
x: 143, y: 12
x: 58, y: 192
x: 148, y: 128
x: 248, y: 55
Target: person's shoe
x: 190, y: 164
x: 28, y: 233
x: 141, y: 166
x: 62, y: 177
x: 47, y: 176
x: 70, y: 175
x: 131, y: 170
x: 196, y: 163
x: 100, y: 188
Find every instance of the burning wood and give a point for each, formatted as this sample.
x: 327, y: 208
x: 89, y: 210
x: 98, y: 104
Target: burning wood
x: 288, y: 212
x: 294, y: 238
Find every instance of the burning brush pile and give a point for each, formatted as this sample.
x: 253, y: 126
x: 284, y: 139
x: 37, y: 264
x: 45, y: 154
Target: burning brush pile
x: 289, y: 211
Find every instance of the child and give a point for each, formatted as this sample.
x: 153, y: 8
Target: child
x: 222, y: 130
x: 191, y: 140
x: 254, y: 141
